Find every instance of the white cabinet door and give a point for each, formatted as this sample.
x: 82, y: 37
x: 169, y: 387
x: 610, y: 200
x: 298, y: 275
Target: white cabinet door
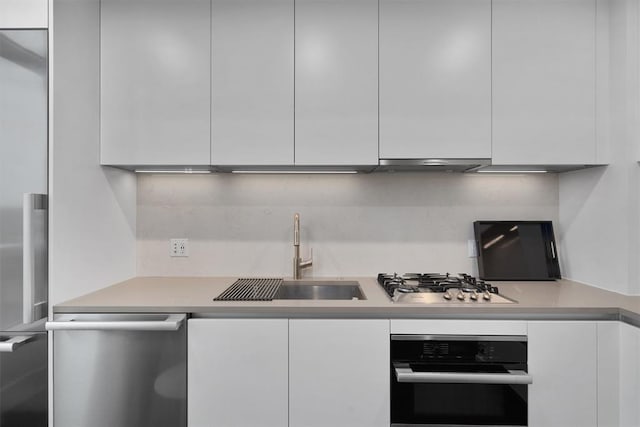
x: 629, y: 376
x: 155, y: 82
x: 339, y: 373
x: 435, y: 78
x: 237, y: 372
x: 609, y: 374
x: 336, y: 82
x: 544, y: 82
x: 562, y: 361
x: 252, y: 82
x: 24, y: 14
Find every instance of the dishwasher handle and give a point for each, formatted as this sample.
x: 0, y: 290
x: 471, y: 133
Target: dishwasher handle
x: 172, y: 322
x: 11, y: 344
x: 405, y: 374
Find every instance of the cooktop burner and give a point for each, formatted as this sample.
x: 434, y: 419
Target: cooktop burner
x: 439, y: 288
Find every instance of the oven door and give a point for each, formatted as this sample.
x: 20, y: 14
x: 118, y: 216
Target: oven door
x: 472, y: 395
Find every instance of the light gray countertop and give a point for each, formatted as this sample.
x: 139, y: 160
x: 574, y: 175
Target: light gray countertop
x: 561, y: 299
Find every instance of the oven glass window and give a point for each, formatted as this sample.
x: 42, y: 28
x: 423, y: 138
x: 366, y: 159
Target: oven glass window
x: 459, y: 404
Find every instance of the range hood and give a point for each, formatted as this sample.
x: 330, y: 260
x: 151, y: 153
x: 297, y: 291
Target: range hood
x: 432, y: 165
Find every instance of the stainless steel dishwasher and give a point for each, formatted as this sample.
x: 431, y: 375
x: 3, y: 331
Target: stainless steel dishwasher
x: 119, y: 370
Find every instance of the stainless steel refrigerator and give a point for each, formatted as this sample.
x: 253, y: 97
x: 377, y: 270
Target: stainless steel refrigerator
x: 23, y: 227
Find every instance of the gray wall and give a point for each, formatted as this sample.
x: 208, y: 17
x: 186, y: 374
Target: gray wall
x: 92, y: 210
x: 600, y: 208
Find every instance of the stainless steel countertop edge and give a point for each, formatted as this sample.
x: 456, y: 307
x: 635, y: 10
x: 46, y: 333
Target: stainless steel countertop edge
x: 575, y: 314
x: 470, y: 316
x: 629, y: 317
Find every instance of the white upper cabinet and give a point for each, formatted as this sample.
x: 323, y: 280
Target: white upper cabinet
x: 252, y: 82
x: 544, y: 82
x: 155, y: 82
x: 346, y: 82
x: 336, y: 82
x: 435, y: 78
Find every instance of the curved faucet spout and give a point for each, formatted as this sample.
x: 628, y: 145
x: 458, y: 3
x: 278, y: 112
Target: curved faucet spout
x: 296, y: 229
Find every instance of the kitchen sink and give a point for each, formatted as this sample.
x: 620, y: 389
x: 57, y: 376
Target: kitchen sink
x: 319, y: 290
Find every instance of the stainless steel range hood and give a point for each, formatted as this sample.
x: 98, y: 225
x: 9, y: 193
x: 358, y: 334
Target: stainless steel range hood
x: 432, y: 165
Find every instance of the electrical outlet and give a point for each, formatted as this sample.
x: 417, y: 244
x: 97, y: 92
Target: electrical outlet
x: 179, y: 247
x: 471, y: 249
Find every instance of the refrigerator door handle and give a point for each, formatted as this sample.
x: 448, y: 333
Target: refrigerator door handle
x: 10, y: 345
x: 172, y: 322
x: 30, y: 203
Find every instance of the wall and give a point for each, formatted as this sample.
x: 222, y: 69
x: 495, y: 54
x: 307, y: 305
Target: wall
x: 600, y: 208
x: 356, y: 224
x: 92, y: 209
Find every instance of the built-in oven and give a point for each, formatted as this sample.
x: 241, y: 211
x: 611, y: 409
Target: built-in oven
x: 459, y: 380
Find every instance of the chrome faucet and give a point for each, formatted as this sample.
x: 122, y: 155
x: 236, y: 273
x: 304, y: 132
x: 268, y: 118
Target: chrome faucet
x: 298, y: 263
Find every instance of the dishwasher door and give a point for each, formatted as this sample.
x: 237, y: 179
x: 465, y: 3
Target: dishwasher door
x: 23, y: 379
x: 119, y: 370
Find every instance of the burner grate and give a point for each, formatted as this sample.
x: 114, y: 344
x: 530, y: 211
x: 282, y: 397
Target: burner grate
x: 255, y: 289
x: 394, y: 284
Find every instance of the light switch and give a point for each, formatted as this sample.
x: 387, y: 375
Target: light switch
x: 471, y: 249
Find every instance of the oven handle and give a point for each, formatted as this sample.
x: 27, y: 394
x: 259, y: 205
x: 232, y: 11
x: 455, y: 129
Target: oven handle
x: 405, y: 374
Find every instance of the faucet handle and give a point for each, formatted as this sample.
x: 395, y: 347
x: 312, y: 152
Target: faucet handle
x: 304, y: 263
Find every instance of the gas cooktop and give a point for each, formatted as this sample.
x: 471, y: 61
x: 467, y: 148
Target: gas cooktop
x: 435, y: 288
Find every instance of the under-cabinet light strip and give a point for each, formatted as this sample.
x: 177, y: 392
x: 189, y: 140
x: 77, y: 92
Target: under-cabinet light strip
x: 511, y: 171
x: 171, y: 171
x: 292, y: 172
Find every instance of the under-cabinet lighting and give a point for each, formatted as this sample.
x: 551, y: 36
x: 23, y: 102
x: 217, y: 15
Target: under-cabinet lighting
x: 184, y: 171
x: 510, y: 171
x: 294, y: 171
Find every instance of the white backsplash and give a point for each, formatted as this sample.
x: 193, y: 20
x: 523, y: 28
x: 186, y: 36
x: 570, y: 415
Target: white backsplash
x: 357, y: 225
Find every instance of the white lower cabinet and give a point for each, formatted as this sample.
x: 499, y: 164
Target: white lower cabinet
x: 335, y: 372
x: 629, y: 376
x: 339, y: 373
x: 238, y: 372
x: 280, y: 372
x: 563, y: 362
x: 618, y: 375
x: 609, y: 374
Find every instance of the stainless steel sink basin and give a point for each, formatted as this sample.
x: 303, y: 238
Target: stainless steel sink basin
x: 320, y: 290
